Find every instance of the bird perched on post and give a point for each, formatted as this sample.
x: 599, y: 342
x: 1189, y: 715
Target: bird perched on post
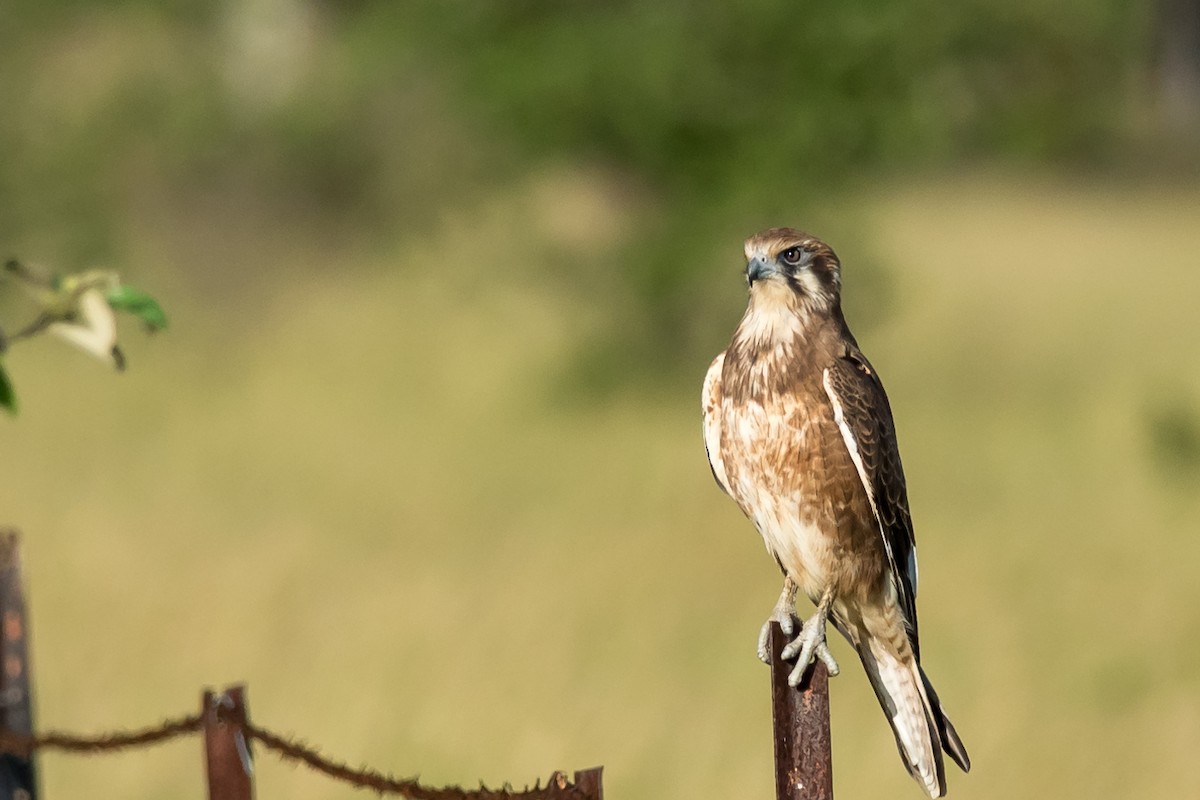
x: 799, y: 432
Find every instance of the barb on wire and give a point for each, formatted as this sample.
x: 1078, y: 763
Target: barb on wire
x: 24, y: 745
x: 558, y: 787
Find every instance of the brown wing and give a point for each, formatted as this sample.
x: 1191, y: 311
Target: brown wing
x: 865, y: 418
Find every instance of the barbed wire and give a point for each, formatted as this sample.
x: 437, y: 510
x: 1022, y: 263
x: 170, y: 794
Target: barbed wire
x: 293, y: 750
x: 24, y: 744
x: 289, y: 749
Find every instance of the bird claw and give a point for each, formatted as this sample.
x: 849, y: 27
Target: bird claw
x: 784, y: 613
x: 787, y: 624
x: 807, y: 647
x: 809, y: 644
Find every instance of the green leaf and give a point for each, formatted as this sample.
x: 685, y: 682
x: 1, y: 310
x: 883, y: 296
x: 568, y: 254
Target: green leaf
x: 8, y: 399
x: 140, y: 304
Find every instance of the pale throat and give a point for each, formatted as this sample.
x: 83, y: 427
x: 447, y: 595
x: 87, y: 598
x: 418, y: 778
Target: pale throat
x: 775, y: 317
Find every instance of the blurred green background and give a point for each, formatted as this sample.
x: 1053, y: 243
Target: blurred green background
x: 420, y: 457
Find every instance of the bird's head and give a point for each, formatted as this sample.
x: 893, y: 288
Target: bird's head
x: 792, y: 266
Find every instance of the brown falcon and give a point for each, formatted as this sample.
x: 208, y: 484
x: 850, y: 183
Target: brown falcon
x: 799, y: 432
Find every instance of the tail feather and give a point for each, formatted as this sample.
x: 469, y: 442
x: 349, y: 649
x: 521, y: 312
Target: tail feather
x: 902, y: 694
x: 950, y: 739
x: 921, y: 727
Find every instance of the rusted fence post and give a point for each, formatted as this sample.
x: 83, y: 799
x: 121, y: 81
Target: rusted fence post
x: 803, y: 758
x: 226, y: 747
x: 588, y: 782
x: 18, y: 778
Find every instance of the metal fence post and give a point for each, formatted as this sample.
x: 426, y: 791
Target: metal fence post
x: 229, y: 765
x: 18, y: 778
x: 803, y: 756
x: 588, y: 782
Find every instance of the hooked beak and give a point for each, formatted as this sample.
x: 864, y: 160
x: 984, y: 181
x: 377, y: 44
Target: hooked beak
x: 759, y: 267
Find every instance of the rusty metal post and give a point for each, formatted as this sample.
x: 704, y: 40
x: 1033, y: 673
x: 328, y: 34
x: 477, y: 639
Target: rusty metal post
x: 588, y: 782
x: 226, y: 748
x: 803, y: 756
x: 18, y: 778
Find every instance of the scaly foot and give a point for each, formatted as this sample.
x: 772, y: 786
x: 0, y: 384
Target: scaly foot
x: 784, y: 613
x: 810, y: 643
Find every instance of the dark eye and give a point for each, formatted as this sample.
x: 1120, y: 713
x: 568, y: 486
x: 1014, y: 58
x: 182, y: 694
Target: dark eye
x: 792, y: 256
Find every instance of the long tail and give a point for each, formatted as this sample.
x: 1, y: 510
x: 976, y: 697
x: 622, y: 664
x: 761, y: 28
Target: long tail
x: 950, y: 741
x: 912, y: 707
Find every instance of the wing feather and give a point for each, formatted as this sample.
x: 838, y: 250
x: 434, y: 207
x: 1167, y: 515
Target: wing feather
x: 864, y: 417
x: 711, y: 400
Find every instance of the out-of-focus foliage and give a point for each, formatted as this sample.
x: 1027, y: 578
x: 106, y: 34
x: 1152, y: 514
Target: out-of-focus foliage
x: 8, y: 399
x: 362, y: 121
x: 79, y: 308
x: 139, y: 304
x: 1174, y: 434
x: 692, y: 94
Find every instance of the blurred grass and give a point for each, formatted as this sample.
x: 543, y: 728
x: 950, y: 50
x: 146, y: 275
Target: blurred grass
x: 358, y: 485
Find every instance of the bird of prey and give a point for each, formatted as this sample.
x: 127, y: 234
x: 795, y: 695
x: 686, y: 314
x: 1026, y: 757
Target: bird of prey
x: 799, y: 432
